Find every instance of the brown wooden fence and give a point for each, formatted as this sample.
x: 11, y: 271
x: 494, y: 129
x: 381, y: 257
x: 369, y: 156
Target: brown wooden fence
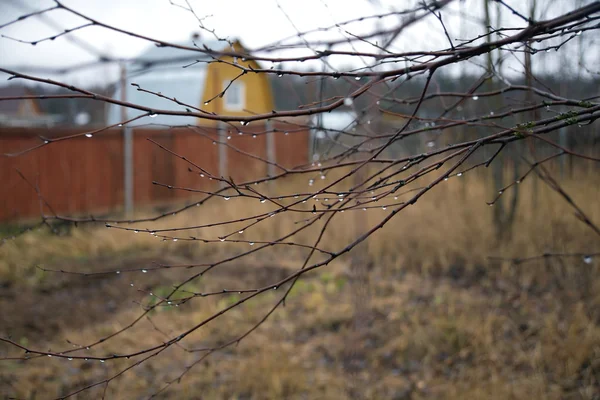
x: 86, y: 175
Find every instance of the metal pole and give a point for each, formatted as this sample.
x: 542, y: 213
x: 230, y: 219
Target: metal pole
x: 271, y: 155
x: 221, y: 135
x: 127, y: 150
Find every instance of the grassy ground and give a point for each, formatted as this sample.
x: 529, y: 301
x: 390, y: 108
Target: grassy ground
x: 434, y: 317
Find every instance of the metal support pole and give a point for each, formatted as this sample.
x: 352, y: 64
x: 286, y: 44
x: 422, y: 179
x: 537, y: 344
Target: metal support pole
x: 128, y: 170
x: 127, y: 150
x: 222, y: 137
x: 271, y: 153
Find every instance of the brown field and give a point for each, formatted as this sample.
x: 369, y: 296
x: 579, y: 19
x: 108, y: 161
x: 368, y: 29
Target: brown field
x: 434, y: 316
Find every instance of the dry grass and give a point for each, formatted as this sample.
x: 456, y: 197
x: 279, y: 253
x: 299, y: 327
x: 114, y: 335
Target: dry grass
x: 442, y: 320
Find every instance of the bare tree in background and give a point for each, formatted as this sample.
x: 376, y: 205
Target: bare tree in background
x: 440, y: 133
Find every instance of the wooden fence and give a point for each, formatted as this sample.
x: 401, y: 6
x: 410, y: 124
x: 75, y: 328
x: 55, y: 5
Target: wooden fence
x: 87, y: 175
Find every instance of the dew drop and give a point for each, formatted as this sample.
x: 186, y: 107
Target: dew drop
x: 131, y: 284
x: 364, y: 208
x: 136, y: 231
x: 70, y: 358
x: 357, y: 78
x: 251, y: 243
x: 253, y: 136
x: 587, y: 259
x: 517, y: 182
x: 274, y: 287
x: 144, y: 271
x: 459, y: 174
x: 120, y: 125
x: 240, y: 232
x: 152, y: 115
x: 430, y: 144
x: 102, y: 361
x: 88, y: 135
x: 175, y: 239
x: 491, y: 113
x: 228, y: 137
x: 243, y: 123
x: 222, y: 239
x: 446, y: 178
x: 206, y: 103
x: 263, y: 200
x: 287, y: 133
x: 322, y: 176
x: 46, y: 142
x: 475, y: 98
x: 500, y: 191
x: 395, y: 197
x: 348, y: 101
x: 311, y: 182
x: 384, y: 208
x: 226, y: 198
x: 49, y: 355
x: 279, y: 75
x: 118, y: 272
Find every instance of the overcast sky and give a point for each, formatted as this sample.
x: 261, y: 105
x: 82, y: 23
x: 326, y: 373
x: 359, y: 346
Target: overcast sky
x: 256, y: 23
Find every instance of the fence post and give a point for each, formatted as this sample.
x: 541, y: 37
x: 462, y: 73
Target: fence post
x: 221, y: 137
x: 127, y: 150
x: 271, y: 154
x: 128, y: 169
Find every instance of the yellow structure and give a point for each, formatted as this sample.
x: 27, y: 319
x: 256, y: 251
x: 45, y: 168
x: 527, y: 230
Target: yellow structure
x: 168, y: 78
x: 246, y: 94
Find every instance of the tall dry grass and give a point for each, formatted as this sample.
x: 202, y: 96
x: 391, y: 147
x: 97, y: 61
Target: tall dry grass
x: 449, y: 227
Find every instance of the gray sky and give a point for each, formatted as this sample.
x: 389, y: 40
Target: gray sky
x: 256, y: 23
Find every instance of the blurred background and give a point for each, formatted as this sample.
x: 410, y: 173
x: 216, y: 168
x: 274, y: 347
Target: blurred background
x: 487, y: 287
